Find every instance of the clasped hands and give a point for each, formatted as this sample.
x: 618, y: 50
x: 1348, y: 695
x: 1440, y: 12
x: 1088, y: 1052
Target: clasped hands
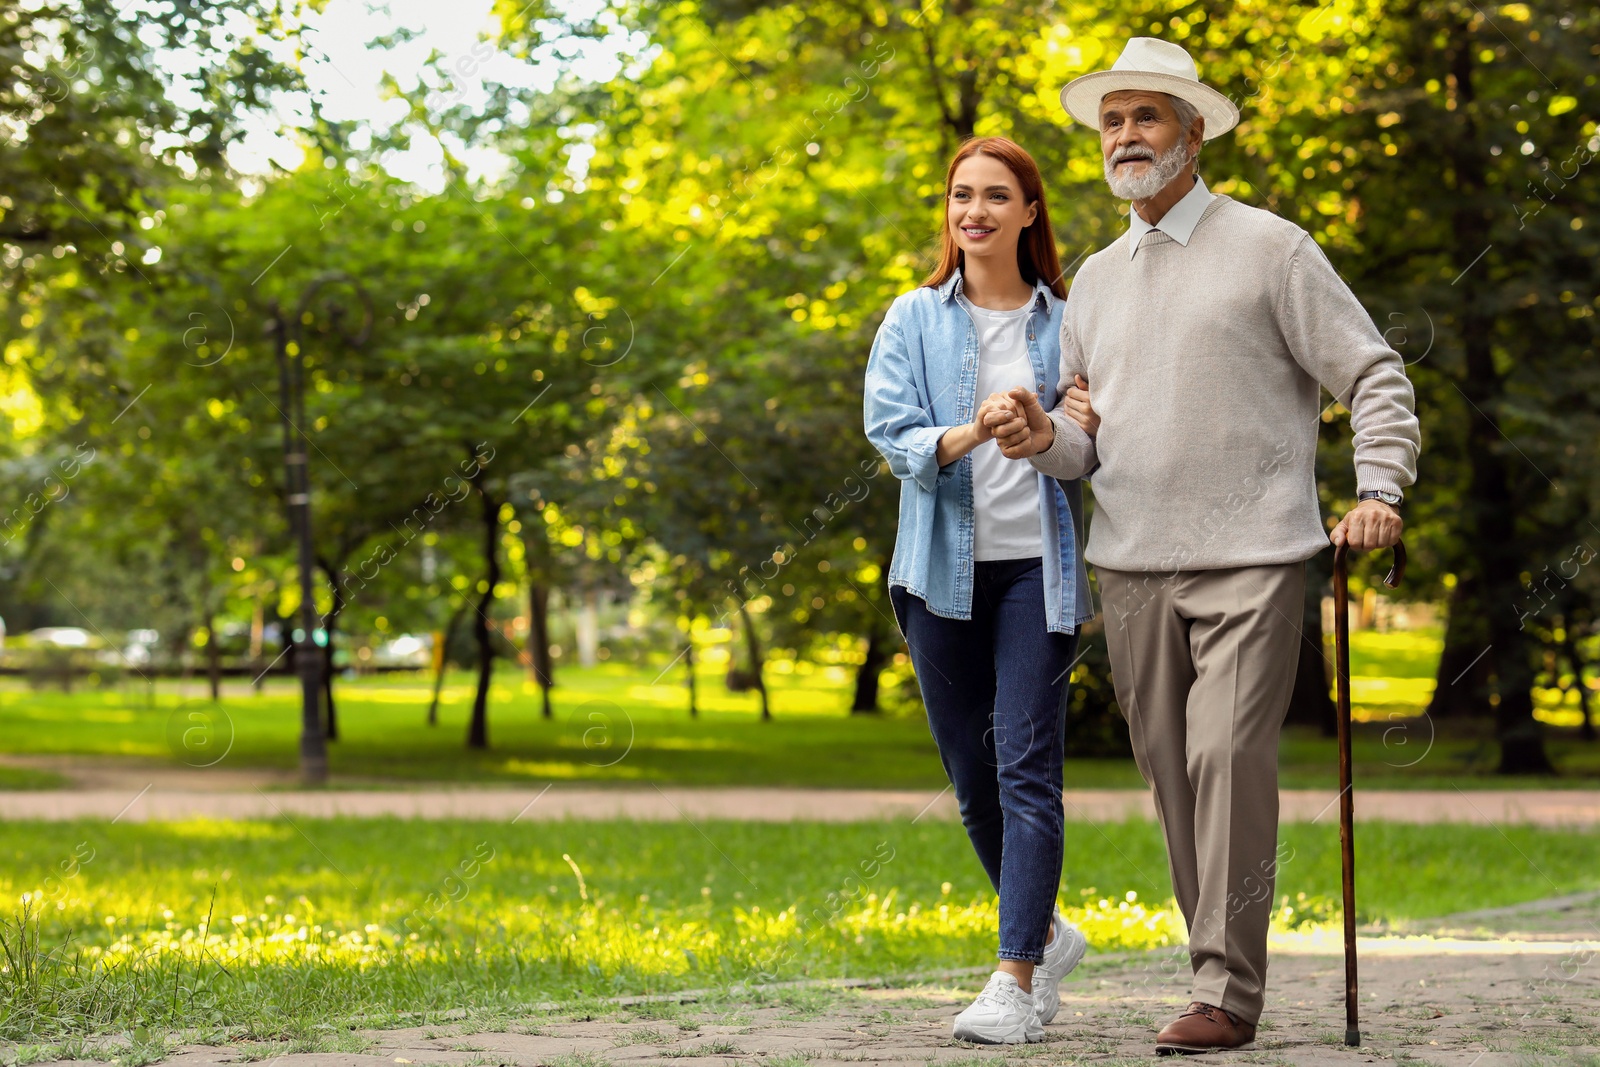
x: 1020, y: 427
x: 1019, y: 424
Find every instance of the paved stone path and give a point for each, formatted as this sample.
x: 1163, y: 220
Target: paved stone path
x: 135, y: 800
x: 138, y: 790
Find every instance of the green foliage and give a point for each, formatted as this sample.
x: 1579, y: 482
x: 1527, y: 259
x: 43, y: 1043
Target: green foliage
x: 100, y: 128
x: 658, y: 316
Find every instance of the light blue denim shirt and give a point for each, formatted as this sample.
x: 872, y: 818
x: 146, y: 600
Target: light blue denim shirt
x: 922, y: 379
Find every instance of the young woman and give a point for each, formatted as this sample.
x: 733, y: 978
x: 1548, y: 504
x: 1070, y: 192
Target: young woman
x: 987, y: 582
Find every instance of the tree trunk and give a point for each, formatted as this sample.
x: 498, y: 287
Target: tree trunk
x: 258, y: 626
x: 1309, y: 702
x: 1463, y: 672
x: 440, y: 657
x: 330, y: 626
x: 1490, y: 506
x: 213, y: 658
x: 753, y: 651
x: 688, y: 659
x: 539, y: 660
x: 330, y: 718
x: 185, y: 663
x: 866, y: 696
x: 961, y: 115
x: 478, y: 728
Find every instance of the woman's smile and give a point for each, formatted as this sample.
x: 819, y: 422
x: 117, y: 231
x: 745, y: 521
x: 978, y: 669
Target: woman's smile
x: 987, y: 211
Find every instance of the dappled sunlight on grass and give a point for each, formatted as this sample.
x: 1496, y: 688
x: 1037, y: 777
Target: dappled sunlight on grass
x: 1425, y: 644
x: 1127, y: 923
x: 107, y: 715
x: 324, y: 920
x: 1413, y: 692
x: 1392, y: 674
x: 604, y: 935
x: 660, y: 695
x: 559, y: 770
x: 408, y: 695
x: 697, y: 744
x: 1392, y: 679
x: 229, y: 832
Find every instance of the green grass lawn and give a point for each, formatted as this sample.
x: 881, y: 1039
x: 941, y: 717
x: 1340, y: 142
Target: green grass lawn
x: 271, y: 929
x: 28, y: 778
x: 619, y: 724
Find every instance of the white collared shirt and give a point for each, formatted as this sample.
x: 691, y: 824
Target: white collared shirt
x: 1179, y: 221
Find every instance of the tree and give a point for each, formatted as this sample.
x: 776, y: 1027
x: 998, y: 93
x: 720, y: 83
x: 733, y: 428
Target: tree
x: 101, y: 126
x: 1487, y: 121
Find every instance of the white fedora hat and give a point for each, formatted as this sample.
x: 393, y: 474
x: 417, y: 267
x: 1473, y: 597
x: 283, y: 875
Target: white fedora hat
x: 1159, y: 66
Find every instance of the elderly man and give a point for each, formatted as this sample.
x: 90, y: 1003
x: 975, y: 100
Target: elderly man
x: 1198, y: 340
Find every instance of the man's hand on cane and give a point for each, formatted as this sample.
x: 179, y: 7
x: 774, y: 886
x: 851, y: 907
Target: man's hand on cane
x: 1370, y: 524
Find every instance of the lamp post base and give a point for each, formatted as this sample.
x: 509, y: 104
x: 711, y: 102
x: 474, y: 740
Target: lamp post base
x: 313, y: 742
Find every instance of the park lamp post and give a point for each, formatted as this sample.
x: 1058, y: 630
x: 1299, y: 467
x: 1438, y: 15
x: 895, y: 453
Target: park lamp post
x: 288, y: 335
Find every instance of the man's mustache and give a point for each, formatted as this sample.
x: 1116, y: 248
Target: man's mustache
x: 1130, y: 152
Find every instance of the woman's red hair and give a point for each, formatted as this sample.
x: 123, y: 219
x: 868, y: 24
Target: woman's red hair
x: 1036, y: 248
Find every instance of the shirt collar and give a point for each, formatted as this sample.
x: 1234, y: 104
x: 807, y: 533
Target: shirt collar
x: 1042, y: 296
x: 1179, y: 221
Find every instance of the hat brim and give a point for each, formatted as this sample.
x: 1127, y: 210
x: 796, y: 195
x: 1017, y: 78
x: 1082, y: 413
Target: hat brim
x: 1081, y: 97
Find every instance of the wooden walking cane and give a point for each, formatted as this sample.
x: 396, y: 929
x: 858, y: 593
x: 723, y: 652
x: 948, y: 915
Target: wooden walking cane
x: 1347, y: 807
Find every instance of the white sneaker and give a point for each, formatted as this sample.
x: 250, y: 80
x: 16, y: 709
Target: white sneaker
x: 1060, y: 957
x: 1002, y: 1015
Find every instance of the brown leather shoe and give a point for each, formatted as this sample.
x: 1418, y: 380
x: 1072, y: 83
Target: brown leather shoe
x: 1204, y: 1028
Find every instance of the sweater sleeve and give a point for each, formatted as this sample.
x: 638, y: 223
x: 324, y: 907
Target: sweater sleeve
x: 1333, y: 338
x: 1071, y: 356
x: 1071, y: 454
x: 899, y: 426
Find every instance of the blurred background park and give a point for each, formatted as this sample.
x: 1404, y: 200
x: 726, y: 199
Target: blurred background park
x: 517, y: 349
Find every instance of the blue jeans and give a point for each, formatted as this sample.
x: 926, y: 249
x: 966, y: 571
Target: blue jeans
x: 995, y: 688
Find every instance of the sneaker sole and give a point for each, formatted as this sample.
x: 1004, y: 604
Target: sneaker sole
x: 990, y: 1039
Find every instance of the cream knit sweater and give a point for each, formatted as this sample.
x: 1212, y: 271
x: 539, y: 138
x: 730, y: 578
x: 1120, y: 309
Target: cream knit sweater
x: 1203, y: 363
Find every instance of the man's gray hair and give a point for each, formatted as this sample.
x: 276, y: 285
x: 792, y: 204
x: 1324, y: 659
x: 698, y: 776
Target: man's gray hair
x: 1187, y: 112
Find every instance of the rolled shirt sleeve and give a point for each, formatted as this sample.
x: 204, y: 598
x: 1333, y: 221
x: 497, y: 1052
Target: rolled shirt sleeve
x: 899, y: 425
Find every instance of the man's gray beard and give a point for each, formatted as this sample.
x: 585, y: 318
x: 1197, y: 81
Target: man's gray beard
x: 1157, y: 174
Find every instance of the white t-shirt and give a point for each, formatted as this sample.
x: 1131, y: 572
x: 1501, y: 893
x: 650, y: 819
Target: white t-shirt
x: 1005, y: 492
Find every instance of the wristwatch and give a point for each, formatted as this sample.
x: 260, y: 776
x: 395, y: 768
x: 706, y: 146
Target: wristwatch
x: 1392, y: 499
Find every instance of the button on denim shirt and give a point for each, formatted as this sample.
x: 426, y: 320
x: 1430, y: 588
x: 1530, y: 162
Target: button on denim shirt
x: 922, y: 379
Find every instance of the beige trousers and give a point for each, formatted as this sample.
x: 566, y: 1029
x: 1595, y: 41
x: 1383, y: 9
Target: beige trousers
x: 1203, y: 663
